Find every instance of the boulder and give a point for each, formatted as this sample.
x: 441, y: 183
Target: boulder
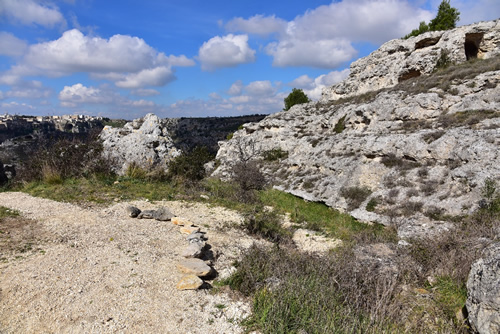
x: 163, y: 214
x: 147, y: 214
x: 194, y: 266
x: 133, y: 211
x: 189, y: 282
x: 144, y: 142
x: 193, y: 250
x: 483, y: 292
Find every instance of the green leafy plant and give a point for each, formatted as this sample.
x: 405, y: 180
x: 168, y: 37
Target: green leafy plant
x: 340, y: 126
x: 446, y: 18
x: 275, y: 154
x: 355, y: 196
x: 297, y: 96
x: 190, y: 165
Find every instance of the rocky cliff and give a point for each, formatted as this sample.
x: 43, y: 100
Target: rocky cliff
x: 413, y: 154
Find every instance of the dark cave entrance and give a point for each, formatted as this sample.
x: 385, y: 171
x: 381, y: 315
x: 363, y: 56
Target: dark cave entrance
x: 472, y: 42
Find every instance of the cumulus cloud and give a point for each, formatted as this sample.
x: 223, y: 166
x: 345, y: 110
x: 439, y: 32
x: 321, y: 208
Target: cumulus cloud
x: 29, y: 12
x: 10, y: 45
x: 258, y: 25
x: 324, y: 37
x: 158, y: 76
x: 260, y: 88
x: 226, y: 51
x: 128, y: 61
x: 79, y: 94
x: 321, y: 53
x: 314, y: 86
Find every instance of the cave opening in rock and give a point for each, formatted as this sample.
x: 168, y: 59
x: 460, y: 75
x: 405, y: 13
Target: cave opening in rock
x: 471, y: 45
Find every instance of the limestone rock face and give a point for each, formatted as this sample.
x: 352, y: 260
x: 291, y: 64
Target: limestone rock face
x: 399, y: 59
x: 417, y: 152
x: 483, y: 292
x: 144, y: 142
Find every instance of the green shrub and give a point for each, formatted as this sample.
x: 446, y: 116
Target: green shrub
x: 340, y: 126
x: 57, y: 159
x: 355, y: 196
x: 370, y: 206
x: 134, y: 171
x: 297, y: 96
x: 444, y: 61
x: 275, y: 154
x: 294, y: 292
x: 446, y: 18
x: 6, y: 212
x: 190, y: 166
x: 266, y: 224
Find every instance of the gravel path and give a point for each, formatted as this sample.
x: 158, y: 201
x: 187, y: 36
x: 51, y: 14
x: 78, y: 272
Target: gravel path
x: 99, y: 271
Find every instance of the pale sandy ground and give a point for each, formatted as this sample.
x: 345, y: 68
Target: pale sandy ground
x: 95, y: 270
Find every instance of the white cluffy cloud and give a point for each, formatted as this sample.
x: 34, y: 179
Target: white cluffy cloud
x: 226, y: 51
x: 324, y: 37
x: 78, y: 95
x: 29, y: 12
x: 313, y: 87
x: 128, y: 61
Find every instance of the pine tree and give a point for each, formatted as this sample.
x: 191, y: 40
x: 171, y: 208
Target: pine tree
x: 297, y: 96
x: 446, y: 18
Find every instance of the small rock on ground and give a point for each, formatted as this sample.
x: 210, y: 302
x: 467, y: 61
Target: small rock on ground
x: 189, y: 282
x: 194, y: 266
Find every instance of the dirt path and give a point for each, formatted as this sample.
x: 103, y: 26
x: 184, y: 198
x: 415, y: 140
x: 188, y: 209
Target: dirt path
x: 99, y: 271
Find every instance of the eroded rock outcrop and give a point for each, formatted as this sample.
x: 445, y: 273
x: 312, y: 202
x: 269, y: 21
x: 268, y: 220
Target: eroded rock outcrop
x: 399, y: 60
x: 483, y: 292
x: 408, y: 155
x: 144, y: 142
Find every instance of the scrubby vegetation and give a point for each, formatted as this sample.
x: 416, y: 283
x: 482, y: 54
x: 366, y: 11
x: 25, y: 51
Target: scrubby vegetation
x: 446, y: 18
x: 297, y: 96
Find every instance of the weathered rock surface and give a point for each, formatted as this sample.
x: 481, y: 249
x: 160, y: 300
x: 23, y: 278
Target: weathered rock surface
x: 421, y: 149
x: 144, y: 142
x: 163, y: 214
x: 194, y: 249
x: 400, y: 59
x: 189, y: 282
x: 133, y: 211
x: 147, y: 214
x: 194, y: 266
x: 483, y: 292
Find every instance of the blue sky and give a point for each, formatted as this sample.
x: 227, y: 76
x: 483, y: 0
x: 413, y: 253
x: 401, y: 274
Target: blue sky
x: 191, y: 58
